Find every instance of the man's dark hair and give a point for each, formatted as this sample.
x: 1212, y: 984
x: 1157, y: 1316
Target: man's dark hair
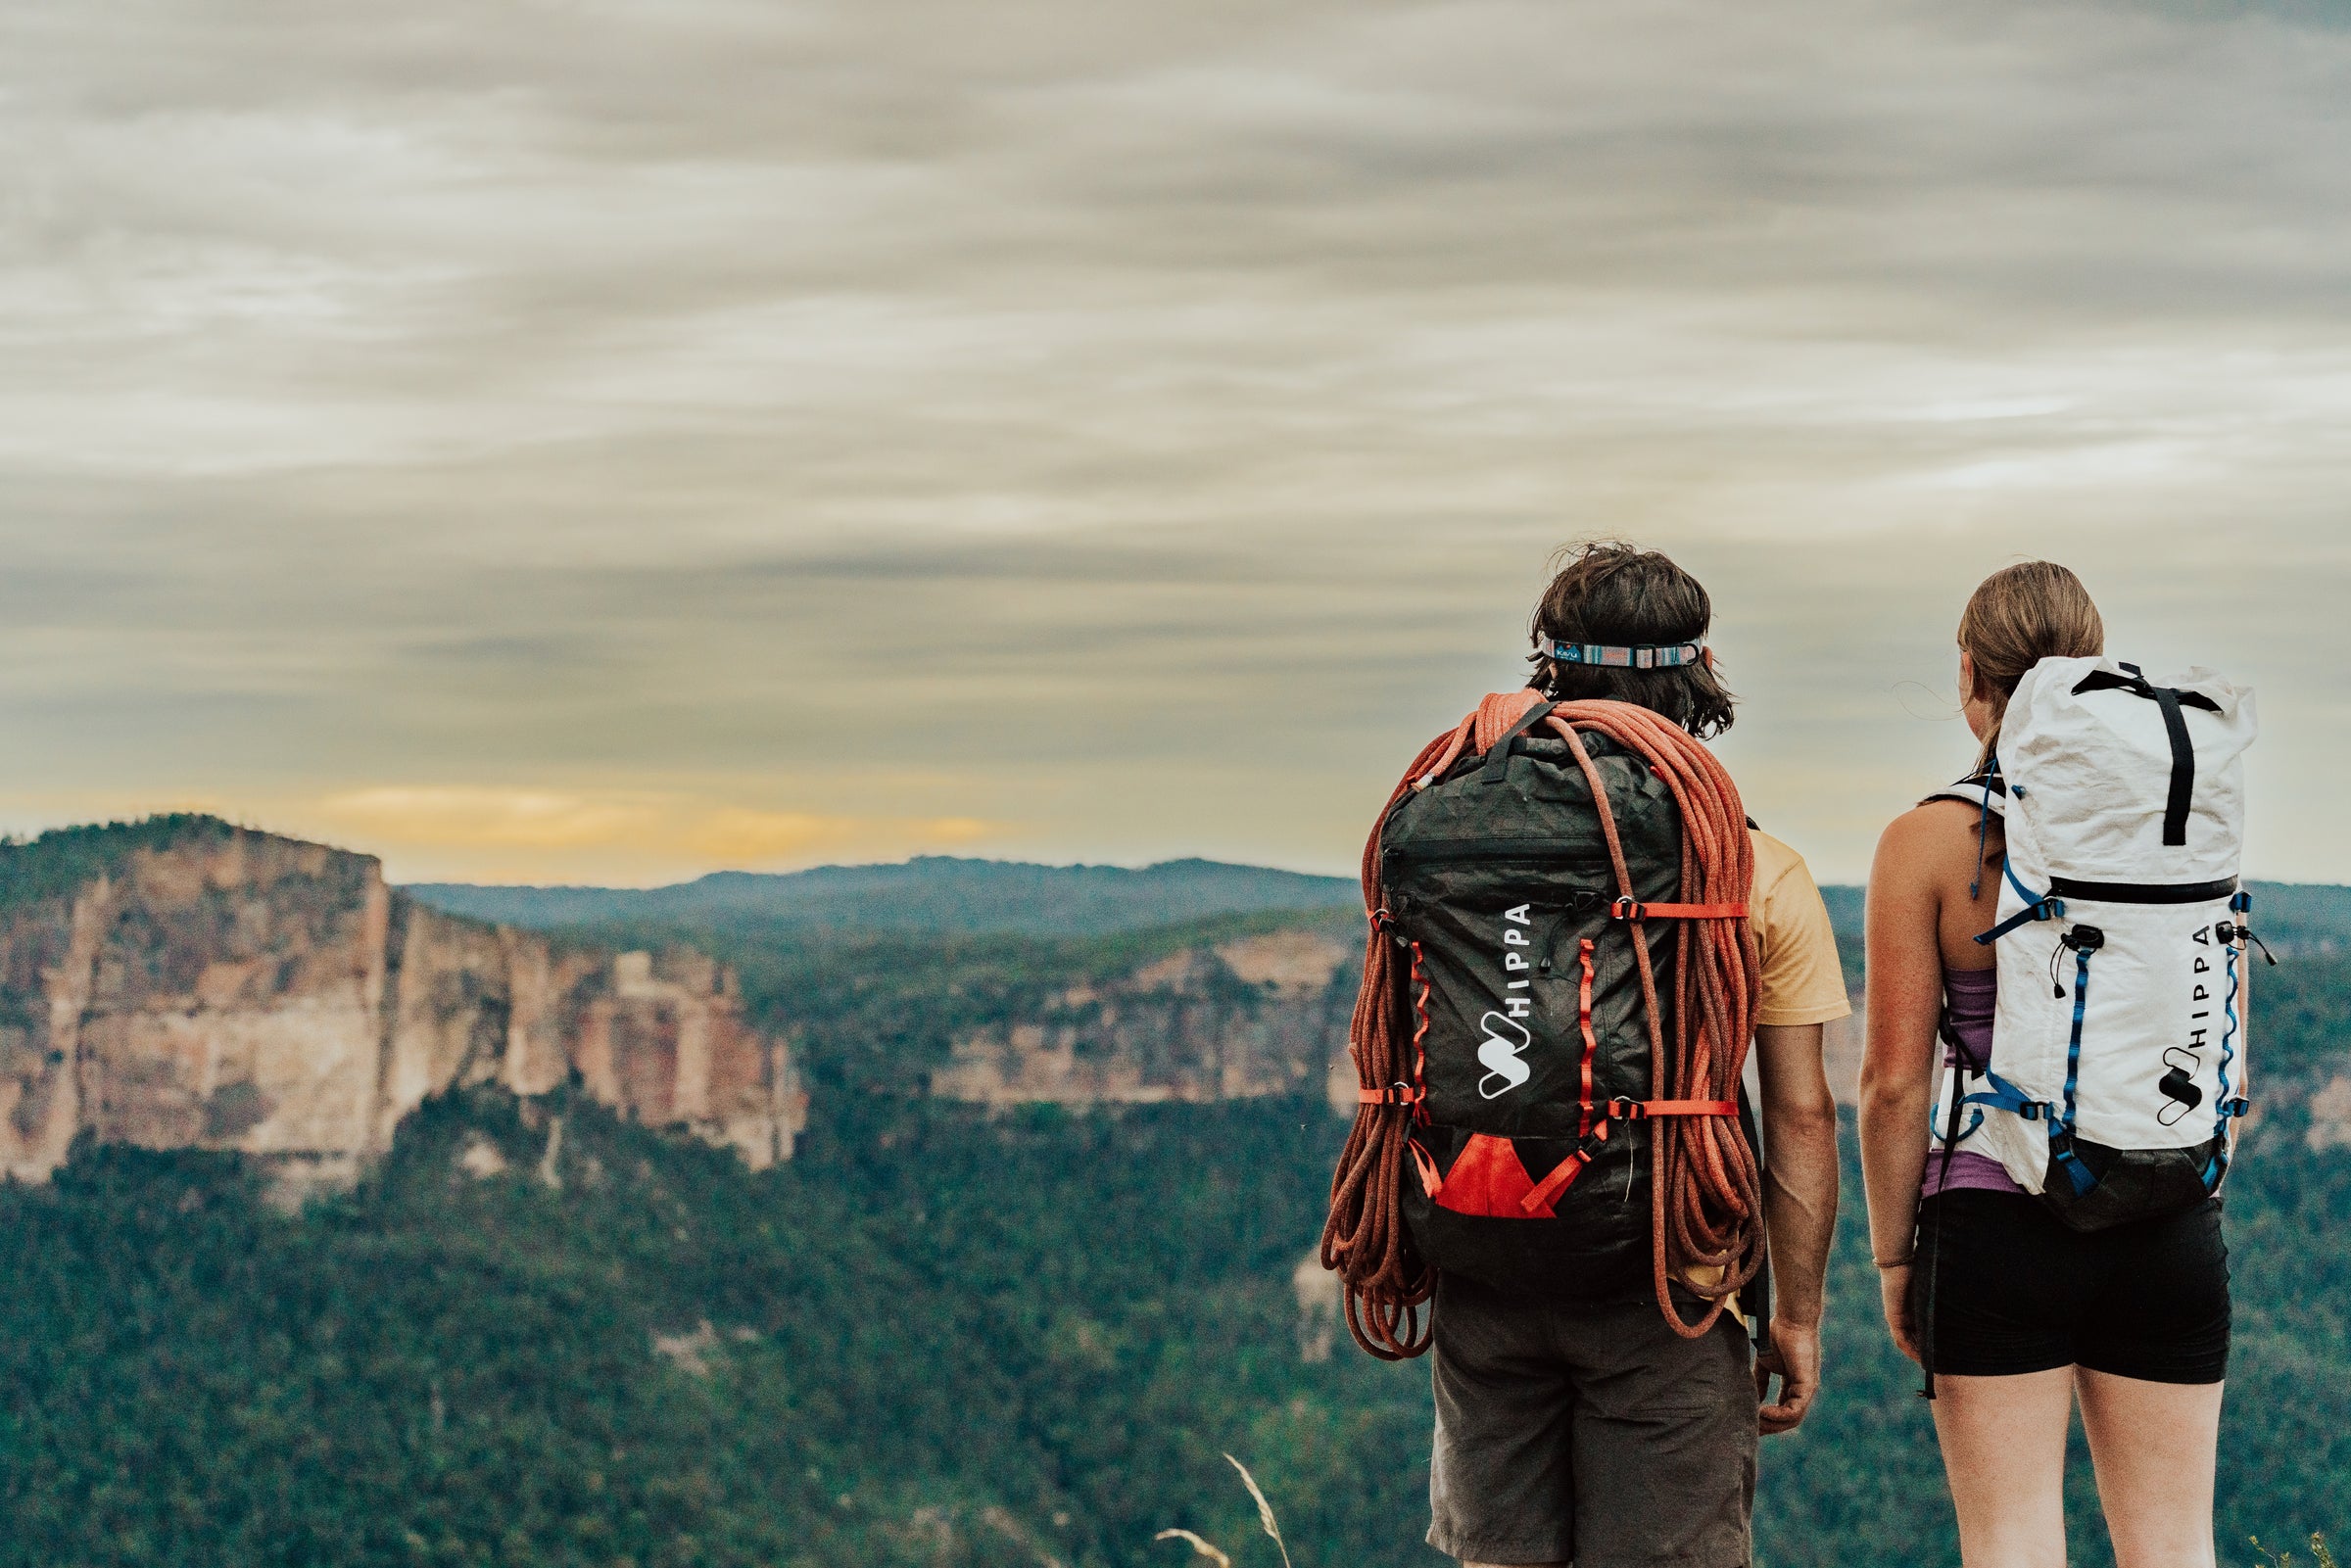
x: 1623, y: 596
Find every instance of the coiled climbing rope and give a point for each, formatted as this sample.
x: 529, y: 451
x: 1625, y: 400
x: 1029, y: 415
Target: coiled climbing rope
x: 1706, y: 1196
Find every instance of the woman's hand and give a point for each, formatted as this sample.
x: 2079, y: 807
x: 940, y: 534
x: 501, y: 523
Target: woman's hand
x: 1894, y: 1290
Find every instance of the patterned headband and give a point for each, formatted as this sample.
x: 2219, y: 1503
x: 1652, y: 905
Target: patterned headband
x: 1663, y: 657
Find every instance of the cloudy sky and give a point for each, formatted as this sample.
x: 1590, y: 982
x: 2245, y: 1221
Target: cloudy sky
x: 607, y: 440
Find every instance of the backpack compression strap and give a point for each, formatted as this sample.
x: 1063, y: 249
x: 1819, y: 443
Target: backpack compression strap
x: 1629, y: 908
x: 1643, y: 1109
x: 1563, y: 1176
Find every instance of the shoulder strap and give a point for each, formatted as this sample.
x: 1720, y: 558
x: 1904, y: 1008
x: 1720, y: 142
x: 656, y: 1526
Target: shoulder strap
x: 1497, y: 756
x: 1971, y: 791
x: 1987, y: 791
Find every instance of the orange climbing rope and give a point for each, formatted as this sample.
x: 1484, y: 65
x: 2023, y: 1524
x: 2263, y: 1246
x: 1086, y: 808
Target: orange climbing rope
x: 1704, y: 1189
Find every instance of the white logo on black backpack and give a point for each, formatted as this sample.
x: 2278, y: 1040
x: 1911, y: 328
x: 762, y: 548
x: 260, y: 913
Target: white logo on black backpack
x: 1503, y: 1052
x: 1502, y: 1055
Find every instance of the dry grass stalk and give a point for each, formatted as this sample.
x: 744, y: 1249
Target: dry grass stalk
x: 1264, y: 1510
x: 1198, y: 1546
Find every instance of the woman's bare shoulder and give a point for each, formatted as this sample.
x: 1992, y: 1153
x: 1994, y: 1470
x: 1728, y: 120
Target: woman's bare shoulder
x: 1936, y: 836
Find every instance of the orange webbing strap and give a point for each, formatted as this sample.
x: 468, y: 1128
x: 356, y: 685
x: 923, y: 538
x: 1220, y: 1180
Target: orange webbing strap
x: 1430, y: 1181
x: 1563, y: 1174
x: 1631, y: 909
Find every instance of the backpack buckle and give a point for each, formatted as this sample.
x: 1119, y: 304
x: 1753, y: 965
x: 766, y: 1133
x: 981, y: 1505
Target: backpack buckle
x: 1626, y: 907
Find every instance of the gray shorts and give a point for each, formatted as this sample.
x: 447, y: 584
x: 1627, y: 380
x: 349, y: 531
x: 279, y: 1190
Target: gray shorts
x: 1591, y: 1434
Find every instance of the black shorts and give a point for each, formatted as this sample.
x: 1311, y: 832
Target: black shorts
x: 1588, y: 1432
x: 2017, y: 1291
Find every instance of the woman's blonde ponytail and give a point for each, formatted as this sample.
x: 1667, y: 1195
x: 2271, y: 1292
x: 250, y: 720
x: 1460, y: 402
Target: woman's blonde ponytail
x: 2019, y: 616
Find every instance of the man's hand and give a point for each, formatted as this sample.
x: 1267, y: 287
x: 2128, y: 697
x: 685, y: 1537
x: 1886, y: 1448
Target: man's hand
x: 1799, y: 1214
x: 1893, y: 1287
x: 1793, y: 1355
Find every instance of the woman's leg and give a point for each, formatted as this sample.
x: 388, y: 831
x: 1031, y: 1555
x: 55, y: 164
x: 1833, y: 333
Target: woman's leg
x: 2003, y: 1447
x: 2155, y: 1445
x: 2154, y: 1352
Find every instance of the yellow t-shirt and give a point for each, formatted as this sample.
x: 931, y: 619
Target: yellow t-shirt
x: 1801, y: 979
x: 1801, y: 982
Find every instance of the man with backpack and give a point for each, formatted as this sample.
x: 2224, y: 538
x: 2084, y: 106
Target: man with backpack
x: 1575, y: 935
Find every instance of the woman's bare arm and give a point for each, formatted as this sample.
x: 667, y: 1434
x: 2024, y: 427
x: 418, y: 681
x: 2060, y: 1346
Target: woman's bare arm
x: 1899, y: 1063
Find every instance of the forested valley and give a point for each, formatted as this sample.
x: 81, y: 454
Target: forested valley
x: 537, y: 1334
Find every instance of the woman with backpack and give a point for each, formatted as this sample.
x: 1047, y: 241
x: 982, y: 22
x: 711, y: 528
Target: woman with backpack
x: 2001, y: 1274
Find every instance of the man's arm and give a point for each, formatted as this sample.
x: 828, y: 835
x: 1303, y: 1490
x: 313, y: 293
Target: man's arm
x: 1799, y: 1213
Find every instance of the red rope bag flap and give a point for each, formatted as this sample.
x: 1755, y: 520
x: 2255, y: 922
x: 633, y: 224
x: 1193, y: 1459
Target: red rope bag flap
x: 1704, y: 1212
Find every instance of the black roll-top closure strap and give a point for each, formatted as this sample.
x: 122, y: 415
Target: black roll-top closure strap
x: 2170, y: 699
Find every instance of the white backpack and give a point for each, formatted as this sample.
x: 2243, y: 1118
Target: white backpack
x: 2118, y: 1058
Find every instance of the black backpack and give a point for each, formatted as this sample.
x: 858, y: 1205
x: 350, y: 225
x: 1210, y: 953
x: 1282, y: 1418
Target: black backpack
x: 1534, y: 1090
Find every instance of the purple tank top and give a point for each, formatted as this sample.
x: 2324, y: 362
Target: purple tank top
x: 1970, y: 998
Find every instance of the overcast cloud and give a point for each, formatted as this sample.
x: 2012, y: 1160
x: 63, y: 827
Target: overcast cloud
x: 601, y: 440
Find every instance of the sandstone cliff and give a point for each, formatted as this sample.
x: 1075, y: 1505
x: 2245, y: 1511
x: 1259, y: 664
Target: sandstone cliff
x: 181, y: 983
x: 1254, y: 1016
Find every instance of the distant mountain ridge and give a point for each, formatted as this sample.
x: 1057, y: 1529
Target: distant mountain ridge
x: 931, y: 893
x: 956, y: 893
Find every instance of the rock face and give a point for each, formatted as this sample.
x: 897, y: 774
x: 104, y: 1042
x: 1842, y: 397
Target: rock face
x: 194, y: 986
x: 2330, y: 1115
x: 1255, y: 1015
